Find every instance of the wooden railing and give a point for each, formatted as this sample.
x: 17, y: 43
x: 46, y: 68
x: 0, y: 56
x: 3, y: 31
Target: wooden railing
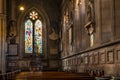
x: 9, y: 75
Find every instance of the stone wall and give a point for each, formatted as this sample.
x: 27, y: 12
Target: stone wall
x: 50, y: 13
x: 99, y: 52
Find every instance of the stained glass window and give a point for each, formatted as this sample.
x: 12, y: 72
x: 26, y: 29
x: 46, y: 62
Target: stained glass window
x: 28, y: 36
x: 38, y: 36
x: 33, y: 34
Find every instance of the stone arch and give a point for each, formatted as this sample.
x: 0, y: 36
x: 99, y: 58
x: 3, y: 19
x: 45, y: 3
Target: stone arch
x: 46, y: 24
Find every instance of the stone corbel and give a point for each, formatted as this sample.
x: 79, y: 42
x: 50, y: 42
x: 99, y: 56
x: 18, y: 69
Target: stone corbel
x: 90, y: 29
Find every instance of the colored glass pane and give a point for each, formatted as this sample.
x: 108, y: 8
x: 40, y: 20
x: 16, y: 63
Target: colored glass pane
x: 28, y: 36
x: 33, y: 15
x: 38, y: 37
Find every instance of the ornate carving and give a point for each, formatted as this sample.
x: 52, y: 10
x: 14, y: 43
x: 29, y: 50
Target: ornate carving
x: 90, y: 11
x: 12, y: 32
x: 12, y: 39
x: 90, y: 25
x: 53, y: 35
x: 12, y: 28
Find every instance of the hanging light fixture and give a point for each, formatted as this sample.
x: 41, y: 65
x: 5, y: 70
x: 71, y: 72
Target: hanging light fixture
x: 21, y: 6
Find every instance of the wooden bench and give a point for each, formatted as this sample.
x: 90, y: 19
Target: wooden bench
x: 55, y: 76
x: 9, y: 75
x: 103, y: 78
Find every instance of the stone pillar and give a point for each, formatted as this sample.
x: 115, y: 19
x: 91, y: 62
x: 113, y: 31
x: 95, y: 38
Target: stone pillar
x: 13, y: 8
x: 1, y: 6
x: 2, y: 42
x: 0, y: 48
x: 3, y: 48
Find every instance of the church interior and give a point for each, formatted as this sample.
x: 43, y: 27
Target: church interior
x: 59, y: 40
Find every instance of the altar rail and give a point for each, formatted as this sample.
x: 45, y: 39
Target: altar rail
x: 9, y: 75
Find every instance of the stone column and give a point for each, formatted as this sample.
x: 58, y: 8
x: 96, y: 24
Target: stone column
x: 0, y: 47
x: 1, y: 6
x: 3, y: 48
x: 13, y: 8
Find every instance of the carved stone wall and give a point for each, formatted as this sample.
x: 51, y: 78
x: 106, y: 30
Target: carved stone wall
x: 49, y: 12
x: 103, y: 56
x: 106, y: 20
x: 117, y: 18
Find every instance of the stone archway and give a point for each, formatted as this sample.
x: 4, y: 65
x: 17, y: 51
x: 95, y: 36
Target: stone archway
x: 20, y: 24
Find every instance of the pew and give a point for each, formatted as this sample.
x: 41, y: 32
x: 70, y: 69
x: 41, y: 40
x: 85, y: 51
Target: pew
x: 108, y: 78
x: 60, y: 76
x: 9, y: 75
x: 103, y: 78
x: 116, y: 77
x: 54, y: 76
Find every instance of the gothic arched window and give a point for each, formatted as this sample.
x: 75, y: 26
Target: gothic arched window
x: 33, y: 33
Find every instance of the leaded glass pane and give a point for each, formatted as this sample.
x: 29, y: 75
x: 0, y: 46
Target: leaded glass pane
x: 28, y: 36
x: 33, y: 15
x: 38, y: 37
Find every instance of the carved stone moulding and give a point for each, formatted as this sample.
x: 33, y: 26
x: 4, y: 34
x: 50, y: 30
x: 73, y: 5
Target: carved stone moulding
x: 90, y: 27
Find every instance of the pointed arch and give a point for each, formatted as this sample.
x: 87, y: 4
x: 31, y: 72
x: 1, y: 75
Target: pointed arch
x: 45, y: 27
x: 33, y: 33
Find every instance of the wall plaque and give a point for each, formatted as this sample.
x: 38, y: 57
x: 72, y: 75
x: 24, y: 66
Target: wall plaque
x: 96, y: 58
x: 118, y: 56
x: 102, y: 57
x: 91, y: 59
x: 53, y: 50
x: 86, y: 59
x: 110, y: 57
x: 12, y: 64
x: 13, y: 49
